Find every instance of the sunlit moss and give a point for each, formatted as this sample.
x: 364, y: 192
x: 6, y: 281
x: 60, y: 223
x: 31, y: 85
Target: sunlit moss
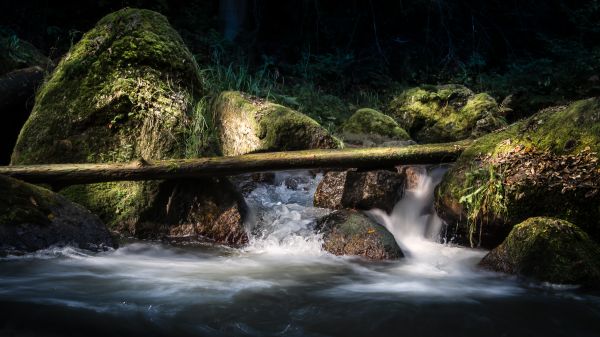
x: 127, y: 90
x: 445, y: 113
x: 248, y: 124
x: 561, y: 130
x: 369, y: 121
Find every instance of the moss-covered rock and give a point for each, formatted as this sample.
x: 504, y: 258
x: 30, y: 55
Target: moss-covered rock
x: 348, y: 232
x: 359, y: 190
x: 546, y: 165
x: 127, y: 90
x: 549, y: 250
x: 246, y: 124
x: 433, y: 114
x: 371, y: 126
x: 33, y: 218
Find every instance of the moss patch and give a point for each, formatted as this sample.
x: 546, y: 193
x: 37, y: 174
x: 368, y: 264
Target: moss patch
x: 550, y: 250
x: 445, y: 113
x: 352, y: 233
x: 248, y: 124
x: 555, y: 132
x: 372, y: 122
x: 127, y: 90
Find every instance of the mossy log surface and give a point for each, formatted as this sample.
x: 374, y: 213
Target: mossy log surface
x: 71, y: 174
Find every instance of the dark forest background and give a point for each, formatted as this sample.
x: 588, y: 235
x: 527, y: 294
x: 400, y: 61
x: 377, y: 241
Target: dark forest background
x: 321, y: 56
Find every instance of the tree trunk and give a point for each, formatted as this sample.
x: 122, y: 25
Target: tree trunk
x: 365, y: 158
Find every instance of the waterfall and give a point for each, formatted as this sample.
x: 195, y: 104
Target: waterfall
x: 413, y: 221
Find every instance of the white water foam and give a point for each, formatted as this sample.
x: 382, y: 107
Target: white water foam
x: 283, y: 218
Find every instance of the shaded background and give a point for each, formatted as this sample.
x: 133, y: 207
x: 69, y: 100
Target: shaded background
x: 538, y: 53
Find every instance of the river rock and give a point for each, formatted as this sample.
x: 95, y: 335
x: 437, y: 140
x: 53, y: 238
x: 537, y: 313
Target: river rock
x: 369, y: 127
x: 33, y: 218
x: 348, y: 232
x: 443, y: 113
x: 546, y: 165
x: 359, y: 189
x: 248, y: 124
x: 549, y: 250
x: 127, y: 91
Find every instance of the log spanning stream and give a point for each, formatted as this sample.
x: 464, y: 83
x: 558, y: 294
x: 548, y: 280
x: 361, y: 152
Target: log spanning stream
x: 284, y: 284
x: 70, y: 174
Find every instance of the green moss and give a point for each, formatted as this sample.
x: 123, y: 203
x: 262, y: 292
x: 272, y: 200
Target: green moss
x: 127, y: 90
x: 117, y: 203
x: 369, y: 121
x: 445, y: 113
x: 561, y: 130
x: 248, y: 124
x: 22, y: 203
x: 283, y: 129
x: 348, y: 232
x: 548, y: 249
x: 328, y: 110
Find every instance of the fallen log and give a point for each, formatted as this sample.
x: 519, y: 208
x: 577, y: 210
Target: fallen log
x: 71, y: 174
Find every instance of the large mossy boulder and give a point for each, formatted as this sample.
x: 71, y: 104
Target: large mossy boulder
x: 348, y: 232
x: 444, y: 113
x: 371, y: 127
x: 33, y: 218
x: 546, y: 165
x: 126, y: 91
x: 549, y: 250
x: 359, y: 190
x: 247, y: 124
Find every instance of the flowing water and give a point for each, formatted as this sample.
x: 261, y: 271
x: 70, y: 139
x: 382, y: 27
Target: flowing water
x: 284, y: 284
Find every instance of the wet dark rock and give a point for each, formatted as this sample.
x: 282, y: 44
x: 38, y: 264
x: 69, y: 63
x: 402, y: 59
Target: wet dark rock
x: 209, y: 209
x: 360, y: 190
x: 549, y: 250
x: 412, y: 175
x: 349, y: 232
x: 33, y: 218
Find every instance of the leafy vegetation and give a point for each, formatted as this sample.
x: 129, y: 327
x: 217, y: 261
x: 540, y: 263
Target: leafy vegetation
x: 483, y: 198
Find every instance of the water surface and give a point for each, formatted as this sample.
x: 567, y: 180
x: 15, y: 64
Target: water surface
x: 284, y: 284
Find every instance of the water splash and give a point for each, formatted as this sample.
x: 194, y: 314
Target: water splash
x: 283, y: 216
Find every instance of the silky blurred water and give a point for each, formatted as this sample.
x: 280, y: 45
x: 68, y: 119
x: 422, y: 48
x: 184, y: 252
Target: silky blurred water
x: 284, y: 284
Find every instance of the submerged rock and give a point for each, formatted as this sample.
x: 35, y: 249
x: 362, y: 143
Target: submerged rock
x: 33, y: 218
x: 360, y: 190
x: 246, y: 124
x: 126, y: 91
x: 549, y: 250
x: 368, y: 127
x: 546, y: 165
x: 348, y: 232
x: 434, y: 114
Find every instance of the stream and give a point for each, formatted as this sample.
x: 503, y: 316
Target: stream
x: 284, y: 284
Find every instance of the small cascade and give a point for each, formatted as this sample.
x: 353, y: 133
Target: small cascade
x: 413, y: 221
x: 283, y: 215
